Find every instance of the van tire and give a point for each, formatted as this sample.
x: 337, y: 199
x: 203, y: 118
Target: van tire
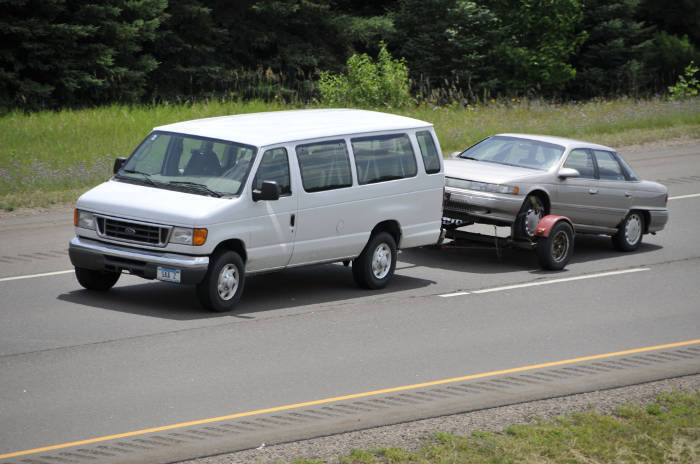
x: 222, y: 286
x: 375, y: 265
x: 96, y: 280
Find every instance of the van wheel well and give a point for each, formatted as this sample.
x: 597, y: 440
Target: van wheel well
x: 233, y: 245
x: 391, y: 227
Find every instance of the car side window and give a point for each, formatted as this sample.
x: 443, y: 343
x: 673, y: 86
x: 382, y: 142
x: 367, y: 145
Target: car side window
x: 324, y: 165
x: 274, y: 166
x: 431, y: 158
x: 582, y: 161
x: 383, y: 158
x: 608, y: 167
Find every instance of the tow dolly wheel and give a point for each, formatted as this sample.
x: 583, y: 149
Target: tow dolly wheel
x: 554, y: 251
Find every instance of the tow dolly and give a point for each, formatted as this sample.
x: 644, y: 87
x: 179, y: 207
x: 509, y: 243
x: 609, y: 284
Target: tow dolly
x: 553, y: 239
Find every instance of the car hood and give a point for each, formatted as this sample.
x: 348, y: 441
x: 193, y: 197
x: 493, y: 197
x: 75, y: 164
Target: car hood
x: 492, y: 173
x: 151, y: 204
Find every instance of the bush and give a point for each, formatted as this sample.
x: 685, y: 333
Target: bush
x: 368, y: 83
x: 687, y: 85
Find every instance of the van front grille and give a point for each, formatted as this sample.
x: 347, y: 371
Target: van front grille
x: 135, y: 232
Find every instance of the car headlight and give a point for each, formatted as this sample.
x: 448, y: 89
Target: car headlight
x: 186, y: 236
x: 84, y: 219
x: 481, y: 186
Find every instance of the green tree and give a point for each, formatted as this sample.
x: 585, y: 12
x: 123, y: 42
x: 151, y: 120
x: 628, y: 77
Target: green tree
x: 539, y: 37
x: 611, y: 60
x: 446, y: 42
x: 57, y: 53
x: 188, y: 48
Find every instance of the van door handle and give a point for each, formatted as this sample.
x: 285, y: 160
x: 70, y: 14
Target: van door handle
x: 592, y: 191
x: 628, y: 194
x: 292, y: 220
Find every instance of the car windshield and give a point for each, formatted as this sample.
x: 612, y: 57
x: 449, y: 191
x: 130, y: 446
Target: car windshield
x: 515, y: 151
x: 193, y: 164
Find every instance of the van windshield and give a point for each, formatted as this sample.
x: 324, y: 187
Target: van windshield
x: 193, y: 164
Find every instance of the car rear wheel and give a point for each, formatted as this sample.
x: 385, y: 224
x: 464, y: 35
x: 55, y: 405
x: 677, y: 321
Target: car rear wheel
x: 375, y: 265
x: 96, y: 280
x: 555, y: 251
x: 222, y: 286
x: 629, y: 233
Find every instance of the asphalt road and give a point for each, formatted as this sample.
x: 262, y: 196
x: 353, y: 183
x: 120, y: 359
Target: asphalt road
x: 75, y: 365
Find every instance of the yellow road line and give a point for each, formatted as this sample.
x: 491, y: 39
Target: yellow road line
x: 342, y: 398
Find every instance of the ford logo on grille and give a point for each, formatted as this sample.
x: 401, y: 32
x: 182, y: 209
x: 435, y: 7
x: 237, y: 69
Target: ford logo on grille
x: 129, y: 231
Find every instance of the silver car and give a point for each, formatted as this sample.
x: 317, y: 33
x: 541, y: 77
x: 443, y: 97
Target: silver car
x: 516, y: 179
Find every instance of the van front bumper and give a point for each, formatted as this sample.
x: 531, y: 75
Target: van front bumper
x: 92, y: 254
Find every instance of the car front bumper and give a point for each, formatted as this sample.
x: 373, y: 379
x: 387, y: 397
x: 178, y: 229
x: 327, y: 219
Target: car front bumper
x: 473, y: 206
x: 92, y: 254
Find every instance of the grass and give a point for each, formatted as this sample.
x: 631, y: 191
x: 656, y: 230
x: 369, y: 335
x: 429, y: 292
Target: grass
x: 50, y: 157
x: 665, y: 431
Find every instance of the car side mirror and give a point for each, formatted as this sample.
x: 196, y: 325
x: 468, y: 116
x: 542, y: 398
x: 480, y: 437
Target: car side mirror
x: 118, y: 163
x: 269, y: 191
x: 565, y: 173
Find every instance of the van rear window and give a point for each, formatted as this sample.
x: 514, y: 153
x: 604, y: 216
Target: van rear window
x: 324, y: 165
x: 383, y: 158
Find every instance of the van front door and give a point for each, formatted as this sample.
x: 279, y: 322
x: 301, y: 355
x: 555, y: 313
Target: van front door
x: 273, y: 225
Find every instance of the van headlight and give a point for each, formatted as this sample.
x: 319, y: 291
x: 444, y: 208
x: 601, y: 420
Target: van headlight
x: 186, y: 236
x: 84, y: 219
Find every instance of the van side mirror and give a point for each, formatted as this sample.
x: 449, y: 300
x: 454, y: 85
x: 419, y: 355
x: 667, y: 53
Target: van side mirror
x: 565, y: 173
x: 118, y: 163
x: 270, y: 191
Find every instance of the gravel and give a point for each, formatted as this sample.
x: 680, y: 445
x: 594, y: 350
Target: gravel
x: 411, y: 435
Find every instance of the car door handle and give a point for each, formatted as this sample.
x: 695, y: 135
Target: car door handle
x: 292, y: 220
x: 628, y: 194
x: 592, y: 191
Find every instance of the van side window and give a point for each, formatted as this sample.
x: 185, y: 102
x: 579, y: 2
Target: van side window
x: 274, y: 166
x: 383, y: 157
x: 324, y: 165
x: 428, y: 150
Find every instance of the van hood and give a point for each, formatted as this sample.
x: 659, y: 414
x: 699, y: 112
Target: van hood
x: 151, y: 204
x: 482, y: 171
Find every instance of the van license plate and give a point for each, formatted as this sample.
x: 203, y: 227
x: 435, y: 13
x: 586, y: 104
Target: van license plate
x: 168, y: 275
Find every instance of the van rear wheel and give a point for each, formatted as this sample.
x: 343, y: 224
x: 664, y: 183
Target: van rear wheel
x: 222, y: 286
x: 375, y: 265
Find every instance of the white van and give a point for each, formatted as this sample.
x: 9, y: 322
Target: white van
x: 210, y: 201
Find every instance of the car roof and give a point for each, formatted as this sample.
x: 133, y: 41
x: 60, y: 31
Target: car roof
x: 270, y: 128
x: 567, y: 143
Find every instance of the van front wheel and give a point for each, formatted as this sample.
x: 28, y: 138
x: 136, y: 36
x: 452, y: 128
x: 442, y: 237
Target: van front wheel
x: 222, y: 286
x: 375, y: 265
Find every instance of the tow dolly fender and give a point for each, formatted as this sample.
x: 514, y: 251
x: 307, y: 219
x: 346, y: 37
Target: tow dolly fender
x: 546, y: 223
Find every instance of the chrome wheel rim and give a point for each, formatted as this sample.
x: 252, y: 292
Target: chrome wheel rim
x: 633, y: 229
x: 228, y: 282
x: 381, y: 261
x: 533, y: 216
x: 560, y: 246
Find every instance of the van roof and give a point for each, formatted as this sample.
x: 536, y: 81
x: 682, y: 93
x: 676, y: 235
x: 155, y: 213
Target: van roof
x: 269, y: 128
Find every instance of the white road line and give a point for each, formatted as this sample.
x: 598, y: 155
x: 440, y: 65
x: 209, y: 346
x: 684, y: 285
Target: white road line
x: 45, y: 274
x: 450, y: 295
x: 546, y: 282
x: 680, y: 197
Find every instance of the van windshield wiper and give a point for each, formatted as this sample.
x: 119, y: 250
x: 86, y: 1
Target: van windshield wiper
x: 196, y: 186
x: 146, y: 176
x: 469, y: 158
